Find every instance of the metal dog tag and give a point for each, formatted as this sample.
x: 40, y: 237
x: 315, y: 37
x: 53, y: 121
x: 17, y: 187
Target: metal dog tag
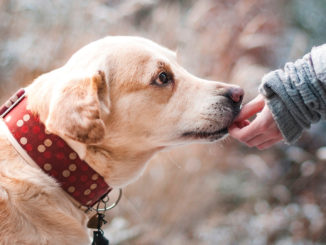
x: 96, y: 221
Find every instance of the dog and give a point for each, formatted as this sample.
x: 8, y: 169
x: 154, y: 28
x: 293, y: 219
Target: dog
x: 116, y: 102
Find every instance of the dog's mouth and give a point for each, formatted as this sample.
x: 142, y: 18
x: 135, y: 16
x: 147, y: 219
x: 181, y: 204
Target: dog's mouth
x: 214, y: 135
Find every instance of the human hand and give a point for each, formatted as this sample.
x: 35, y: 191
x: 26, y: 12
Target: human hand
x: 262, y: 132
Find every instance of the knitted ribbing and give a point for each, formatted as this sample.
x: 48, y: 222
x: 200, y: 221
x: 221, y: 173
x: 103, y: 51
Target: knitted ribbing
x: 296, y: 95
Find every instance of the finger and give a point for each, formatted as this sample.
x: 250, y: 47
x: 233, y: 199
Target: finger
x: 244, y: 134
x: 237, y: 133
x: 252, y: 108
x: 262, y: 138
x: 234, y: 131
x: 258, y: 140
x: 268, y: 144
x: 241, y: 124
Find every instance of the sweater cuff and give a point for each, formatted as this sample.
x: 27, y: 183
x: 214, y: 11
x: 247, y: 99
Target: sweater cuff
x: 288, y: 126
x: 290, y: 130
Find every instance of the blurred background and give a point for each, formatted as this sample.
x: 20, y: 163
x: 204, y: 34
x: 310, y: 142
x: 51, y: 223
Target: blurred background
x: 222, y: 193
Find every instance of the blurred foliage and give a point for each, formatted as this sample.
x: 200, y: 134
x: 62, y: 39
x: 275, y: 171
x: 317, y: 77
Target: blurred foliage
x: 222, y: 193
x: 309, y: 16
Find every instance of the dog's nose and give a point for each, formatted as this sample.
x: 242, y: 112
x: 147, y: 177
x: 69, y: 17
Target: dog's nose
x: 235, y: 94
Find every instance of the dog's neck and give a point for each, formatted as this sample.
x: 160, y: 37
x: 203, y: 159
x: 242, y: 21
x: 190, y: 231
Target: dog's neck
x: 118, y: 165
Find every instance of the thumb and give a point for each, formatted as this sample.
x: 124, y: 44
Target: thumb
x: 251, y: 108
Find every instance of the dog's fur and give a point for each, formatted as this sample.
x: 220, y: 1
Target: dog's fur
x: 108, y: 104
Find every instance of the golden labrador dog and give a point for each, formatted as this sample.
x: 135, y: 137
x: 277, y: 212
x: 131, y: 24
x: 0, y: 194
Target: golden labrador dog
x: 116, y: 102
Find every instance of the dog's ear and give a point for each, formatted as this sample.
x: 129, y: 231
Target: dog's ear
x: 78, y: 109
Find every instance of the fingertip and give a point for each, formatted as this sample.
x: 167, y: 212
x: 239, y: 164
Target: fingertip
x: 234, y: 130
x: 251, y: 108
x: 243, y: 123
x: 231, y: 130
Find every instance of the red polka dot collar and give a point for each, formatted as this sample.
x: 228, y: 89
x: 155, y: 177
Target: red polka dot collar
x: 51, y: 153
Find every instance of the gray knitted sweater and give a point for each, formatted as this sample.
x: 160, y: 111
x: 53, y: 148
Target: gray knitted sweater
x: 296, y: 95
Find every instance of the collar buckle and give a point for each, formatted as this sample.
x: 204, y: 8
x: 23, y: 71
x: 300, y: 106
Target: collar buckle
x: 12, y: 102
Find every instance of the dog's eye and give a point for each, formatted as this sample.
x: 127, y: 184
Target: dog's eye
x: 163, y: 79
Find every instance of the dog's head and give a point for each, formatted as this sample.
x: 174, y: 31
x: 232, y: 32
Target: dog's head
x: 130, y: 93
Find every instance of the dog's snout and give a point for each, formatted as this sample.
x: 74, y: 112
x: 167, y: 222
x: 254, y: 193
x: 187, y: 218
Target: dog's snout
x: 235, y: 94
